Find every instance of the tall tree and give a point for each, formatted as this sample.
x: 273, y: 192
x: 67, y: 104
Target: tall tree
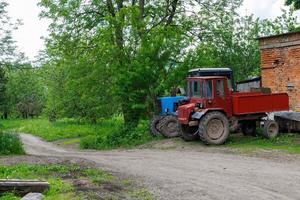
x: 133, y: 42
x: 9, y: 56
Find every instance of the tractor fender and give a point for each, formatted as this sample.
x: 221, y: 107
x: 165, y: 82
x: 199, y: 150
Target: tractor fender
x: 200, y: 114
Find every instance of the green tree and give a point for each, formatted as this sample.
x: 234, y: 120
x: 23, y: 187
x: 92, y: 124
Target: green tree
x: 133, y: 43
x: 294, y: 3
x: 25, y: 92
x: 9, y: 56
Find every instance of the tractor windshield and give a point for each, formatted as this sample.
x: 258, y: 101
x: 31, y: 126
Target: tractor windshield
x: 201, y: 89
x: 196, y: 89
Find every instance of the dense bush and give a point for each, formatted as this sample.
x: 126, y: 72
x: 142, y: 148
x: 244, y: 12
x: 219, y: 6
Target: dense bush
x: 10, y: 144
x: 126, y: 136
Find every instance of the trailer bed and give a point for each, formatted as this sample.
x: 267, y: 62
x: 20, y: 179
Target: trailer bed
x: 251, y: 103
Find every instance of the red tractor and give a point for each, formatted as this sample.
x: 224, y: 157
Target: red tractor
x: 213, y: 108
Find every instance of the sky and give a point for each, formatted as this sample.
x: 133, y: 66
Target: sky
x: 29, y: 35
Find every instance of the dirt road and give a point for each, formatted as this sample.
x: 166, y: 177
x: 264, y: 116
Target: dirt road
x: 192, y: 175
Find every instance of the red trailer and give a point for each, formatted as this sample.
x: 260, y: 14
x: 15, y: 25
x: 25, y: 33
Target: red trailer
x: 213, y: 108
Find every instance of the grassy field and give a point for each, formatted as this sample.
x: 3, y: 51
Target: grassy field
x: 106, y: 134
x: 74, y: 182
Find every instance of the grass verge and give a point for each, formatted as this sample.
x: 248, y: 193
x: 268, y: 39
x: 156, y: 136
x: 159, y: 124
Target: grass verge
x: 286, y: 142
x: 72, y: 182
x: 106, y: 134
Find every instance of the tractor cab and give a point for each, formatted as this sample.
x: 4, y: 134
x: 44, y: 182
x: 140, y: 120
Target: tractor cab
x: 208, y: 88
x: 209, y: 92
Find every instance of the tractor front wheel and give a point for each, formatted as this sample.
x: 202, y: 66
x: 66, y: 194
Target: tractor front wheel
x: 271, y: 129
x: 168, y: 126
x: 188, y: 133
x: 214, y: 128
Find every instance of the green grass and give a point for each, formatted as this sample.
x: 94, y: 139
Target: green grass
x: 106, y: 134
x: 10, y: 144
x: 51, y: 173
x: 142, y: 194
x: 54, y: 174
x: 286, y: 142
x: 62, y: 129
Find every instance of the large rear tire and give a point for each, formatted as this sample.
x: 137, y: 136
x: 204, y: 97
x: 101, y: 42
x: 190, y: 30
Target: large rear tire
x: 188, y: 133
x: 168, y: 127
x: 214, y: 128
x: 271, y: 129
x: 249, y: 128
x: 154, y: 125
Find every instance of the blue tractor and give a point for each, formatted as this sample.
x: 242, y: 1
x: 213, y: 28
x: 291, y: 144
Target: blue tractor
x: 166, y: 122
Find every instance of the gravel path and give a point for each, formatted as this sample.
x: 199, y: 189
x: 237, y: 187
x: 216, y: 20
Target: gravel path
x: 192, y: 175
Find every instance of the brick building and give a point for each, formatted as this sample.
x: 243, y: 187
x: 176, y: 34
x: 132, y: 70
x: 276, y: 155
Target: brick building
x: 280, y: 65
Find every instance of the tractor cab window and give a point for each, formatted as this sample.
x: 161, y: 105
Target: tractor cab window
x: 196, y: 89
x: 209, y: 90
x: 220, y: 89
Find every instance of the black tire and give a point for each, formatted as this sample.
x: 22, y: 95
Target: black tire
x: 249, y: 128
x: 168, y: 126
x: 214, y: 128
x: 154, y: 126
x: 271, y: 129
x: 188, y: 133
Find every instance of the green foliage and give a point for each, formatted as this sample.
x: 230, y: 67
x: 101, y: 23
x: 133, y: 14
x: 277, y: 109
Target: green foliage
x: 8, y: 196
x: 294, y: 3
x: 118, y: 56
x: 9, y: 56
x: 25, y: 92
x: 10, y: 144
x: 125, y: 137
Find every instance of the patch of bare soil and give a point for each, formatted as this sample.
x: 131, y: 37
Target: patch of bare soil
x: 178, y: 144
x: 46, y: 160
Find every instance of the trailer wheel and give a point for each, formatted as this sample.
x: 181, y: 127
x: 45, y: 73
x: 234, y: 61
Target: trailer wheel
x: 214, y: 128
x: 271, y: 129
x: 168, y: 126
x: 249, y: 128
x: 188, y: 133
x: 154, y: 125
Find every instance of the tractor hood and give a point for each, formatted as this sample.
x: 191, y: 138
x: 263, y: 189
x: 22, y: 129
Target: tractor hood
x: 184, y: 112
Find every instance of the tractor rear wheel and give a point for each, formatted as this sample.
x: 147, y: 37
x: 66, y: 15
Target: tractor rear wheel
x: 271, y: 129
x: 188, y: 133
x: 168, y: 126
x: 249, y: 128
x: 154, y: 125
x: 214, y: 128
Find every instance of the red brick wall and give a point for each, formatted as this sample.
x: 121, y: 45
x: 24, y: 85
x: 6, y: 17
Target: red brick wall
x: 281, y: 66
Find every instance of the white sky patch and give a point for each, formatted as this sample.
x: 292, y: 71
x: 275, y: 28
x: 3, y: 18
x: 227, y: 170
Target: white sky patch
x: 29, y: 35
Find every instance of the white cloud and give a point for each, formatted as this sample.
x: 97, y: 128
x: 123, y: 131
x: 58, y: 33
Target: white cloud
x: 264, y: 8
x: 28, y: 36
